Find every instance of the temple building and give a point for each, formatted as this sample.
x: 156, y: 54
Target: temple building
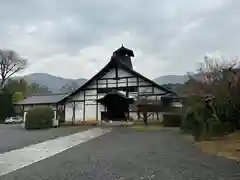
x: 108, y: 95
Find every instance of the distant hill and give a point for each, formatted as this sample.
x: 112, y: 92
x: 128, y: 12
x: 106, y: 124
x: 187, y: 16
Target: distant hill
x: 171, y: 79
x: 54, y: 83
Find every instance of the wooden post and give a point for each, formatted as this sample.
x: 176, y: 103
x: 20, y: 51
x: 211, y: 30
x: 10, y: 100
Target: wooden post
x: 74, y: 109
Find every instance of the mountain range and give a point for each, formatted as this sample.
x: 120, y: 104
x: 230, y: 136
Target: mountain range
x: 171, y: 79
x: 55, y: 83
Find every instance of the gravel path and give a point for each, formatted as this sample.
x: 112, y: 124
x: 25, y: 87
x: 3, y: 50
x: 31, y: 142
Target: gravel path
x: 13, y: 136
x: 125, y: 154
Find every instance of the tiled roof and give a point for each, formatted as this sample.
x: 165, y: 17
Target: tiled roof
x: 43, y: 99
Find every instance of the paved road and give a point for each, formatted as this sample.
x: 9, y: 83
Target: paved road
x: 13, y: 136
x: 126, y: 154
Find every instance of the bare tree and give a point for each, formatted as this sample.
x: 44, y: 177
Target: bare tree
x: 212, y: 75
x: 212, y: 69
x: 10, y: 63
x: 219, y: 80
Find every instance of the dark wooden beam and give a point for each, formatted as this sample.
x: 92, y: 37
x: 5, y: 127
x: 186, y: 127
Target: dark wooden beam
x: 76, y: 101
x: 116, y: 72
x: 138, y: 114
x: 84, y: 105
x: 97, y: 103
x: 159, y: 94
x: 90, y: 95
x: 119, y: 87
x: 106, y: 90
x: 124, y: 77
x: 74, y: 112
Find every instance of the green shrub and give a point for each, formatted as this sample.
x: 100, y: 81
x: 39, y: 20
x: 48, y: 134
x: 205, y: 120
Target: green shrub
x: 189, y: 124
x: 171, y: 120
x: 219, y: 129
x: 39, y: 118
x: 192, y: 125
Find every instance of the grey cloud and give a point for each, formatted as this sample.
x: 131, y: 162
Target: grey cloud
x: 157, y: 26
x: 218, y: 32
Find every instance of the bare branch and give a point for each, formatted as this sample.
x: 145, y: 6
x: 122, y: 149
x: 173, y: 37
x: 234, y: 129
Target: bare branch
x: 10, y: 63
x: 212, y: 74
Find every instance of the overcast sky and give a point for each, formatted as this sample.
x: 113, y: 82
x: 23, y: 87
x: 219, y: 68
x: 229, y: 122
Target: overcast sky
x: 76, y: 38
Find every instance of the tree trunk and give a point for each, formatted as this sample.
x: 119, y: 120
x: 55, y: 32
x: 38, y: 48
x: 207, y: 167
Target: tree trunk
x: 145, y: 117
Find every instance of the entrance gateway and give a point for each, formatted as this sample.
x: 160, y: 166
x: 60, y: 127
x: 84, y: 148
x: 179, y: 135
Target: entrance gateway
x: 117, y: 106
x: 111, y: 93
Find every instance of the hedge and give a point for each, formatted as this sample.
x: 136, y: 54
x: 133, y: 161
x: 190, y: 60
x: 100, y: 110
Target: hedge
x: 219, y: 129
x: 39, y: 118
x: 171, y: 120
x: 189, y: 125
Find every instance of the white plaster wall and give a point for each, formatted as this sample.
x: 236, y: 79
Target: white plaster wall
x: 132, y: 82
x: 24, y: 116
x: 158, y: 97
x: 132, y: 94
x: 68, y: 112
x: 133, y: 115
x: 112, y: 83
x: 79, y: 111
x: 78, y: 96
x: 177, y: 104
x: 110, y: 74
x: 151, y: 97
x: 101, y: 95
x: 143, y: 83
x: 123, y: 73
x: 101, y: 84
x: 145, y: 90
x: 122, y: 84
x: 91, y: 92
x: 90, y: 112
x: 158, y: 91
x: 100, y: 108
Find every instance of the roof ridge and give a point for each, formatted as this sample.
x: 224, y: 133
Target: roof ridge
x: 119, y: 64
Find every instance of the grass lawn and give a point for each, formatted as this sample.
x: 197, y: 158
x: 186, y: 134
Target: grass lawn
x: 152, y: 126
x: 227, y: 146
x: 79, y: 123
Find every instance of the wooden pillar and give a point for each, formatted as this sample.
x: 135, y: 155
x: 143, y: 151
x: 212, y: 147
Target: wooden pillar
x: 138, y: 114
x: 74, y: 111
x: 97, y: 102
x: 84, y: 104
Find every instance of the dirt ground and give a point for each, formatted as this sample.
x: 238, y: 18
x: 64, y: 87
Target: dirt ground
x: 227, y: 146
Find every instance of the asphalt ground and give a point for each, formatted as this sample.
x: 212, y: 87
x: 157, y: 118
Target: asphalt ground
x: 125, y: 154
x: 14, y: 136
